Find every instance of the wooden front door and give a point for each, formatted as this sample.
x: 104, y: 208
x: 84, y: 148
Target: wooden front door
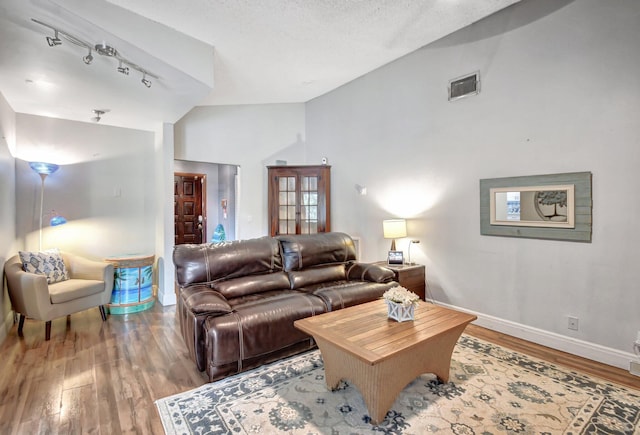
x: 189, y: 208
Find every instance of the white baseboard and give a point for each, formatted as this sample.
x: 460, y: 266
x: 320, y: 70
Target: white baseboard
x: 595, y: 352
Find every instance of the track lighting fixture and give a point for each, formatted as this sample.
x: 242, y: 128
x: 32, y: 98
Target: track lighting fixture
x: 102, y: 49
x: 123, y: 69
x: 144, y: 80
x: 55, y: 40
x: 88, y: 58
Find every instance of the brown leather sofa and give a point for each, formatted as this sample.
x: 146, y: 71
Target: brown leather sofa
x: 237, y: 301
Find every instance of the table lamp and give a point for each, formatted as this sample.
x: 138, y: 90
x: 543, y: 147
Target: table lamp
x: 394, y: 229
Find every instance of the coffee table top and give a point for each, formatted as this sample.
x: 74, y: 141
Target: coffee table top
x: 365, y: 331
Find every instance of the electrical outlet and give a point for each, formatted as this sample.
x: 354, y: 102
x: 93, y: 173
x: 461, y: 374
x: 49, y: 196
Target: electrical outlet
x: 634, y: 368
x: 573, y: 323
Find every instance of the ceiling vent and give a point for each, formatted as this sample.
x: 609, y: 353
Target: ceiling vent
x: 464, y: 86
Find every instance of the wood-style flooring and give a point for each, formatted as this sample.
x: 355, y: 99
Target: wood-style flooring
x: 103, y: 377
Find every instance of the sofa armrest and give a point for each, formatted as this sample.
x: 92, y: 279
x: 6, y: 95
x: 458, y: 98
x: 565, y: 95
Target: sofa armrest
x: 195, y: 304
x: 29, y: 292
x: 203, y: 300
x: 369, y: 272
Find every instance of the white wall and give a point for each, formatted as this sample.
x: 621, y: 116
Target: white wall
x: 560, y: 93
x: 251, y: 137
x: 102, y: 187
x: 7, y: 206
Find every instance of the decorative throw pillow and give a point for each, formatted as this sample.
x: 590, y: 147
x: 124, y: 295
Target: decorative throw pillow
x: 48, y: 263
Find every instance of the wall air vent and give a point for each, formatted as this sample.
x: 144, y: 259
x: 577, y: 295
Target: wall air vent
x: 464, y: 86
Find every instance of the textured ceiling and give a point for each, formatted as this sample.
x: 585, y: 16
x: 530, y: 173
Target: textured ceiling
x: 209, y: 52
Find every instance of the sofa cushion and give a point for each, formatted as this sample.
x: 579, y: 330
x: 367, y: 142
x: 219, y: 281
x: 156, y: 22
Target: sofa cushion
x: 260, y: 325
x: 48, y: 263
x: 308, y: 250
x: 66, y: 291
x: 211, y: 262
x: 246, y: 285
x: 315, y: 275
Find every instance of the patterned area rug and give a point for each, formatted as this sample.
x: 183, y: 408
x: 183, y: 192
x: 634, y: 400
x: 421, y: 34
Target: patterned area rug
x: 491, y: 391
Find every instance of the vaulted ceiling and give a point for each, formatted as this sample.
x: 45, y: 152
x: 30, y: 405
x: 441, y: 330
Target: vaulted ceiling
x: 205, y: 52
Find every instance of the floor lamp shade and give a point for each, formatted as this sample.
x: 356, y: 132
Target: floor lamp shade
x: 394, y: 229
x: 43, y: 169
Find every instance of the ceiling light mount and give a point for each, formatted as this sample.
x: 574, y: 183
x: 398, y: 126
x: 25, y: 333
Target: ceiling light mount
x: 98, y: 113
x: 106, y: 50
x: 103, y: 49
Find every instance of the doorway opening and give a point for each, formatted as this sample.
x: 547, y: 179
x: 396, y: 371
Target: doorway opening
x: 217, y: 203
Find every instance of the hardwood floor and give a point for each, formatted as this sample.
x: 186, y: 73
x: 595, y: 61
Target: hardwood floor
x: 103, y: 377
x: 93, y: 376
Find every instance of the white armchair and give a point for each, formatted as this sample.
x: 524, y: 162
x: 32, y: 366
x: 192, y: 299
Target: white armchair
x: 89, y: 285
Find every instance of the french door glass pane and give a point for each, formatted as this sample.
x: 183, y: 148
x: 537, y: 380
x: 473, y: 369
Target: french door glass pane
x: 313, y: 183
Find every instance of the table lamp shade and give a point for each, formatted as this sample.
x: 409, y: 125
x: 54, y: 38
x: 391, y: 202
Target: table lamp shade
x: 394, y: 229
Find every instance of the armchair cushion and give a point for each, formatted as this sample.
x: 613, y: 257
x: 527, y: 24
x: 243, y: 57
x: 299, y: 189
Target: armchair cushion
x: 48, y: 263
x: 66, y: 291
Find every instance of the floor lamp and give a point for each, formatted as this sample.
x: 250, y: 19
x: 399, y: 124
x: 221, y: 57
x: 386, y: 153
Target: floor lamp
x: 44, y: 169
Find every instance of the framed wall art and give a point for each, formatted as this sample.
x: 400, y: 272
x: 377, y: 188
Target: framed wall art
x: 555, y: 206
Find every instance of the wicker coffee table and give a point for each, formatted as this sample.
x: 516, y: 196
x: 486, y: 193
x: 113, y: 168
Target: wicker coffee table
x: 381, y: 356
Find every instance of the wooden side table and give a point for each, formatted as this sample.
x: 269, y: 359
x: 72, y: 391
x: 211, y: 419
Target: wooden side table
x: 411, y: 277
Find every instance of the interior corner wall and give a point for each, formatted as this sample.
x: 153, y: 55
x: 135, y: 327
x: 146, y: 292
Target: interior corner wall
x: 560, y: 92
x: 7, y: 207
x: 164, y: 150
x: 251, y: 137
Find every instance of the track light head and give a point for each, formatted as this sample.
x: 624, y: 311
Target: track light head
x: 145, y: 81
x: 88, y: 58
x: 55, y: 40
x: 123, y: 69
